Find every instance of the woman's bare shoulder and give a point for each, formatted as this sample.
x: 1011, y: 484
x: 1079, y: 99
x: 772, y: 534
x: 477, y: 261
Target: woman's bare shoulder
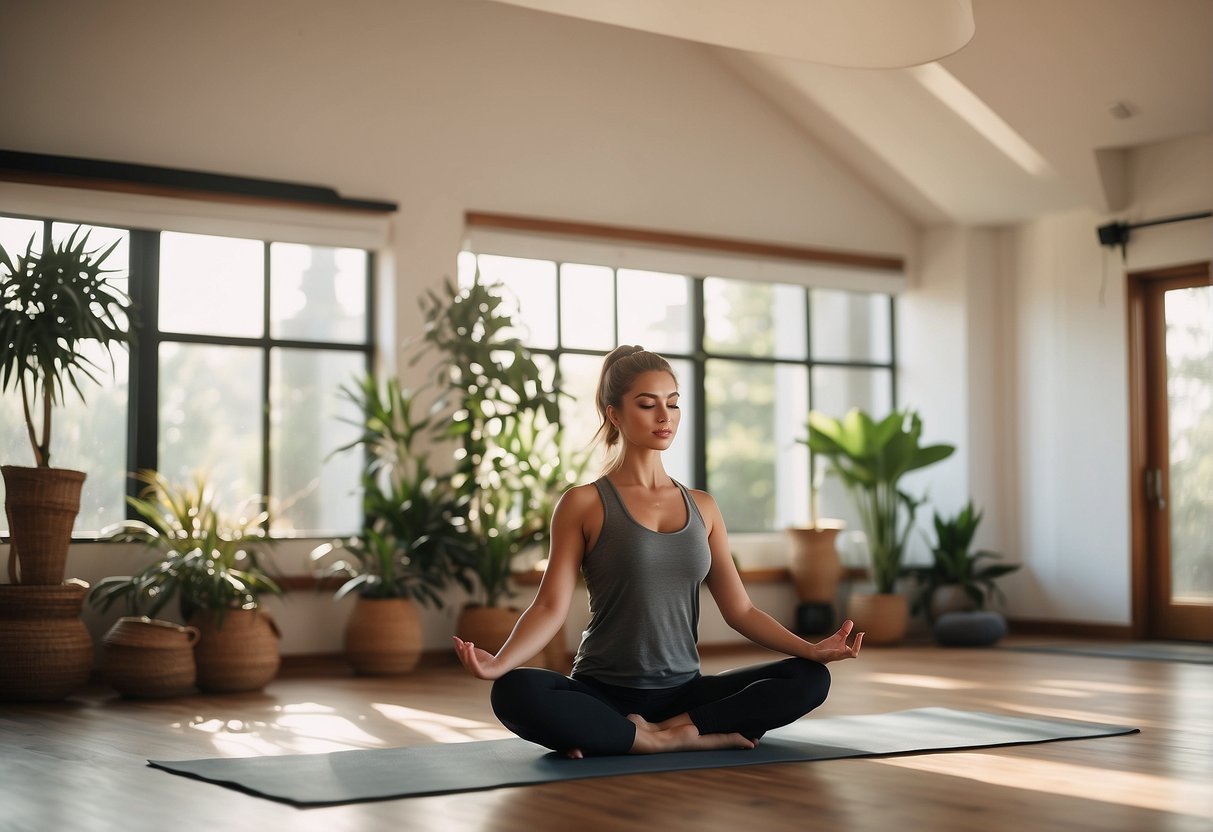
x: 579, y: 512
x: 706, y: 504
x: 579, y: 500
x: 703, y: 499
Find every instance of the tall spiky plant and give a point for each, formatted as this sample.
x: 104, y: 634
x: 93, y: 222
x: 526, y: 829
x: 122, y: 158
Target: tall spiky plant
x: 53, y: 301
x: 503, y: 411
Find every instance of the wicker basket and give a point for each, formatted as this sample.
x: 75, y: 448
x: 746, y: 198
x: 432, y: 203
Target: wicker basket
x: 46, y: 652
x: 41, y: 504
x: 145, y: 658
x: 383, y: 636
x: 240, y: 654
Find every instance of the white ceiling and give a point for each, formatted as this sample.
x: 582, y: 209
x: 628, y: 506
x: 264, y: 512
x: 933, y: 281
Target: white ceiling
x: 1013, y: 125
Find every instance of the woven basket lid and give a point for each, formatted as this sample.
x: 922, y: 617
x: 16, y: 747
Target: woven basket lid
x: 149, y: 633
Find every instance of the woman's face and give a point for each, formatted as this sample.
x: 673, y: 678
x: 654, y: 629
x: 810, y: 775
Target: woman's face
x: 648, y: 413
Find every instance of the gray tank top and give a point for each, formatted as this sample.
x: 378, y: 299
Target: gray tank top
x: 644, y: 598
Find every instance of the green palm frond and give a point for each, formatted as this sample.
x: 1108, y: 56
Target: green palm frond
x: 207, y: 561
x: 871, y: 457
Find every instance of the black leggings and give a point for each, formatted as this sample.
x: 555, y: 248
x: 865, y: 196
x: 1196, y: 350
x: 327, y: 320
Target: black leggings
x: 563, y: 713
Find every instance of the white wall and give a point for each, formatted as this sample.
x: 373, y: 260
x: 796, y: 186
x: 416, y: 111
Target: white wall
x: 1067, y: 395
x: 441, y: 106
x: 948, y: 348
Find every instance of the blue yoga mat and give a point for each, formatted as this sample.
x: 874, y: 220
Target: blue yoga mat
x: 384, y: 773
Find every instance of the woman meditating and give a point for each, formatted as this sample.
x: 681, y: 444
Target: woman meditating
x: 645, y: 544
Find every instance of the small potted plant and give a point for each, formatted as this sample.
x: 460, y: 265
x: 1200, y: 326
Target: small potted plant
x: 413, y: 544
x: 957, y: 580
x: 210, y: 564
x: 871, y: 458
x: 53, y: 301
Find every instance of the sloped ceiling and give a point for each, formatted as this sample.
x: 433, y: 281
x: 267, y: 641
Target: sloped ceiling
x: 1037, y: 113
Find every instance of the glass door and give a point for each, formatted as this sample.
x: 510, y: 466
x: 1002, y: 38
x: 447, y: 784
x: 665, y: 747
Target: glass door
x: 1177, y: 477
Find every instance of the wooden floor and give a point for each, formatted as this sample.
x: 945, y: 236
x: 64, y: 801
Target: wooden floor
x: 80, y: 765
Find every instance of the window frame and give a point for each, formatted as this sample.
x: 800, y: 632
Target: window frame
x: 699, y: 355
x: 142, y: 418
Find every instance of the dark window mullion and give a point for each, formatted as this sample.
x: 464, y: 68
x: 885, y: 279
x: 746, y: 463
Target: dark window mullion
x: 699, y: 370
x: 893, y: 351
x: 261, y: 343
x: 808, y: 345
x: 143, y: 402
x: 615, y: 306
x: 266, y: 386
x: 371, y: 304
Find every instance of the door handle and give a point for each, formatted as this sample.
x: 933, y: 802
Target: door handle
x: 1154, y: 488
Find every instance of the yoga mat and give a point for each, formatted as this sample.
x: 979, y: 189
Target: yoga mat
x: 384, y: 773
x: 1184, y: 651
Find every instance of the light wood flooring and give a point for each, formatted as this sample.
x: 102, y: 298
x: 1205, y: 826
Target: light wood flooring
x: 80, y: 765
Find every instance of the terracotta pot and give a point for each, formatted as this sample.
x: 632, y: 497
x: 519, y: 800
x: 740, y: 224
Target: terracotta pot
x: 46, y: 652
x: 241, y: 653
x: 883, y: 618
x: 489, y: 627
x: 146, y: 657
x: 486, y: 627
x: 41, y: 504
x: 383, y: 636
x: 815, y: 566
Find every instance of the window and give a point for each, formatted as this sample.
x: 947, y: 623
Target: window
x: 752, y: 357
x: 242, y: 347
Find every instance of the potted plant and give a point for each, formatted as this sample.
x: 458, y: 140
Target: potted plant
x: 871, y: 458
x: 413, y: 543
x: 210, y: 565
x: 503, y: 412
x: 53, y: 302
x: 957, y: 580
x: 510, y: 512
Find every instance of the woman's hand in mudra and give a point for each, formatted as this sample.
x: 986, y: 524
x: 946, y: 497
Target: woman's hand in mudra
x: 836, y: 647
x: 480, y: 663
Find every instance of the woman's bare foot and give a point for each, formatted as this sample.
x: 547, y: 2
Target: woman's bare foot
x: 683, y: 738
x: 673, y: 722
x: 574, y: 754
x: 642, y: 724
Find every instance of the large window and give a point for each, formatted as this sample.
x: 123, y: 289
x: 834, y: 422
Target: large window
x: 241, y: 349
x: 752, y: 358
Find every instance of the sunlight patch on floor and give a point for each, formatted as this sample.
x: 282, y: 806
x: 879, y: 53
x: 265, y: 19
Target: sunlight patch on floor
x: 1096, y: 687
x: 1066, y: 713
x: 912, y: 681
x: 441, y: 727
x: 305, y: 708
x: 314, y: 729
x: 1125, y: 788
x: 1062, y: 692
x: 303, y: 728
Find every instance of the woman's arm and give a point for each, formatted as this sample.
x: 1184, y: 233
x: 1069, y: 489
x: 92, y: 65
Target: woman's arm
x: 739, y: 611
x: 546, y: 614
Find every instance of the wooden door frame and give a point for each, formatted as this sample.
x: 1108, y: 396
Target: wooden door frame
x: 1137, y: 284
